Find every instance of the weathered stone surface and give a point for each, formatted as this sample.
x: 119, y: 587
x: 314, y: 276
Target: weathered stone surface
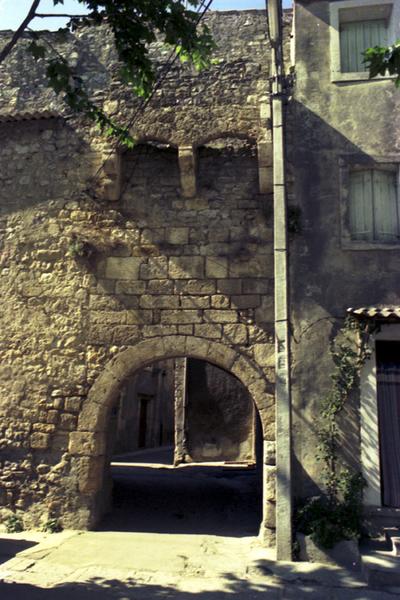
x: 216, y: 267
x: 164, y: 275
x: 208, y: 330
x: 186, y: 267
x: 195, y: 287
x: 122, y: 268
x: 156, y: 268
x: 181, y: 316
x: 177, y: 235
x: 158, y: 301
x: 86, y: 443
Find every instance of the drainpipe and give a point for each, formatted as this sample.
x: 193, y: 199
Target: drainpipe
x: 282, y: 340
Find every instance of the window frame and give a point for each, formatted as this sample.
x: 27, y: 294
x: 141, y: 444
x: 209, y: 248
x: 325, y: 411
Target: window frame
x: 347, y: 165
x: 392, y: 8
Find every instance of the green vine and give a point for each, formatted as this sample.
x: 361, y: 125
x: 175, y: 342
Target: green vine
x: 337, y: 514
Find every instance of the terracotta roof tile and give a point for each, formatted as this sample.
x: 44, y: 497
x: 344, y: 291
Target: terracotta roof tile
x: 376, y: 312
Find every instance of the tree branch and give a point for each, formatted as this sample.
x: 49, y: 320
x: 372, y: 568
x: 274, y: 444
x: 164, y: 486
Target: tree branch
x: 52, y: 15
x: 18, y: 33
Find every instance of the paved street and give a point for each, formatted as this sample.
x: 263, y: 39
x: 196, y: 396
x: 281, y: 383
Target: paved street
x: 136, y: 566
x: 181, y: 534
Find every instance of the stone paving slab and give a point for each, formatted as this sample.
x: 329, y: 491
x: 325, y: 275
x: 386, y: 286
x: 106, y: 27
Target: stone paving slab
x: 122, y: 566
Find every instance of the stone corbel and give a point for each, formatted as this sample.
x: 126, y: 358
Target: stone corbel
x: 187, y: 166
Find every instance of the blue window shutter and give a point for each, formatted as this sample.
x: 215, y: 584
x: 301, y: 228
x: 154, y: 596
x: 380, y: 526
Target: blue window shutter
x: 357, y: 37
x: 361, y: 205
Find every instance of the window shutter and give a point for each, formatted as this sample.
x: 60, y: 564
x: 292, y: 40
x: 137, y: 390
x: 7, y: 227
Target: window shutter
x: 357, y: 37
x: 385, y: 206
x: 361, y: 206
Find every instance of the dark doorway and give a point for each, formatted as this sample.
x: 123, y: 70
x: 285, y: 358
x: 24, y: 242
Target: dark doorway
x: 143, y: 401
x: 388, y: 383
x: 209, y: 479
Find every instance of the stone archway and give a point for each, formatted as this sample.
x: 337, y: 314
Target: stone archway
x: 88, y: 445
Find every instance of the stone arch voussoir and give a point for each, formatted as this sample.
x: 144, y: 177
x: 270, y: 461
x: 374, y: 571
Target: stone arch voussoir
x: 102, y: 395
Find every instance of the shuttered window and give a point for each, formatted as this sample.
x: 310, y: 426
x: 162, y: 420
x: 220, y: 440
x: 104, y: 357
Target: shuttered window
x: 355, y: 38
x: 374, y: 206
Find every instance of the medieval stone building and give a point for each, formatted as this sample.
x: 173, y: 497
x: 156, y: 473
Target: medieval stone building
x: 112, y: 260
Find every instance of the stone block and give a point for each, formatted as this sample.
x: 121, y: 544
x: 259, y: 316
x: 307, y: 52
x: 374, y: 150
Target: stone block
x: 345, y: 553
x: 67, y: 422
x: 235, y: 334
x: 186, y: 267
x: 130, y: 287
x: 229, y: 286
x: 139, y: 317
x: 175, y: 345
x: 89, y: 474
x: 185, y: 329
x: 246, y: 301
x: 122, y: 267
x: 264, y: 354
x: 158, y: 330
x: 156, y: 268
x: 177, y: 235
x: 269, y: 514
x: 222, y: 355
x: 195, y: 301
x: 198, y: 348
x: 187, y: 166
x: 159, y: 301
x: 221, y: 316
x: 220, y: 301
x: 221, y: 233
x: 106, y: 302
x: 99, y: 333
x: 107, y: 318
x: 128, y: 301
x: 208, y: 330
x: 152, y: 236
x: 265, y: 312
x: 39, y: 441
x: 195, y: 286
x: 216, y: 267
x: 257, y: 266
x: 270, y: 483
x: 52, y: 416
x: 269, y: 452
x: 160, y: 286
x: 105, y: 286
x: 266, y: 179
x: 181, y: 316
x: 256, y: 286
x: 85, y: 443
x: 73, y: 404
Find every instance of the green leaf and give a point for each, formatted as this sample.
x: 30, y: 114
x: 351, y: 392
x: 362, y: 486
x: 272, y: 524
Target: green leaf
x: 36, y: 50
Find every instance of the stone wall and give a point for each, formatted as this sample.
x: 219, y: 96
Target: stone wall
x: 145, y: 412
x: 336, y: 124
x: 98, y: 282
x: 220, y: 421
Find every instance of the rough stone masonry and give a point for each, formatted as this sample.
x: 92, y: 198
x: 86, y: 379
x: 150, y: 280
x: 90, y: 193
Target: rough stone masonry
x: 112, y: 260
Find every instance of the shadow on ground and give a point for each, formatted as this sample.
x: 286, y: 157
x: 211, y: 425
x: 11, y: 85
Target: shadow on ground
x: 310, y: 586
x: 9, y: 548
x: 192, y: 500
x: 113, y: 589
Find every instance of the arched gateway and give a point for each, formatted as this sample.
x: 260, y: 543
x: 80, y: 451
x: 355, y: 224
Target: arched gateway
x: 88, y: 445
